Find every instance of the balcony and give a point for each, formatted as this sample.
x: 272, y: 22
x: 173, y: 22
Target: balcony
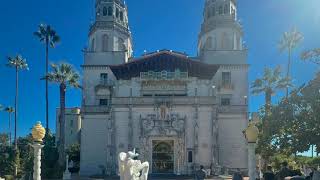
x: 174, y: 100
x: 233, y: 109
x: 106, y: 83
x: 227, y: 88
x: 96, y: 109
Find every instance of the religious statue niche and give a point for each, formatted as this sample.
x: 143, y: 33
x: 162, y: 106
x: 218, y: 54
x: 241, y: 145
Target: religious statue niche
x: 163, y: 112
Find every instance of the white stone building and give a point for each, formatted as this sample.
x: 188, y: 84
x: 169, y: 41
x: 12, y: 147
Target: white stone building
x: 178, y: 111
x: 72, y: 126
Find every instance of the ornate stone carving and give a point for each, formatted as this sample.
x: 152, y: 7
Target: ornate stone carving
x: 130, y: 169
x: 171, y: 124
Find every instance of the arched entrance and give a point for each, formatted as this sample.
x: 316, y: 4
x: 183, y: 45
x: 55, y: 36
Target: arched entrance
x: 163, y: 157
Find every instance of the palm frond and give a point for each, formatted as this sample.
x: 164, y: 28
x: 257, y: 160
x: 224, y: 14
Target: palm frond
x: 284, y: 83
x: 311, y: 55
x: 18, y: 62
x: 46, y: 33
x: 9, y: 109
x: 64, y: 73
x: 39, y: 35
x: 290, y: 40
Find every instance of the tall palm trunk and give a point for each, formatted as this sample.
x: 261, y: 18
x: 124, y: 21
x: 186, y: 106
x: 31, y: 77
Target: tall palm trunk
x: 47, y: 95
x: 288, y: 71
x: 263, y: 161
x: 10, y: 128
x: 62, y: 123
x: 15, y: 121
x: 268, y: 102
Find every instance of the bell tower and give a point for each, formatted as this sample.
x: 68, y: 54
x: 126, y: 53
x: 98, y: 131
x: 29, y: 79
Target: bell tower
x: 221, y: 34
x: 110, y: 40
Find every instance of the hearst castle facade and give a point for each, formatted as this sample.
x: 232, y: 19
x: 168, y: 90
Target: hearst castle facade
x: 178, y: 111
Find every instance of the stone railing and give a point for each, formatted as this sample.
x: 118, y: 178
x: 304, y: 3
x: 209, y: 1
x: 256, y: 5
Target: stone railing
x: 233, y: 109
x: 96, y: 109
x: 106, y: 82
x: 163, y: 75
x: 172, y: 100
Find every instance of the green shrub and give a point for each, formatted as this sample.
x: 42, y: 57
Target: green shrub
x: 9, y: 177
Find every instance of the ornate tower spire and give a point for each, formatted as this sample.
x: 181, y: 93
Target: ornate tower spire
x: 220, y: 30
x: 110, y: 34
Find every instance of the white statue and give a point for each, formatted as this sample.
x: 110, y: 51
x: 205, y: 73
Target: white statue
x: 66, y: 173
x: 130, y: 169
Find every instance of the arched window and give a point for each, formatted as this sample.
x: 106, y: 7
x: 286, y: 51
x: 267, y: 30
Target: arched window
x: 117, y: 13
x: 233, y: 12
x: 92, y: 48
x: 121, y: 16
x: 226, y: 41
x: 208, y: 44
x: 105, y: 11
x: 105, y: 42
x: 226, y: 9
x: 214, y: 43
x: 110, y: 11
x: 213, y: 11
x: 121, y: 45
x: 220, y: 10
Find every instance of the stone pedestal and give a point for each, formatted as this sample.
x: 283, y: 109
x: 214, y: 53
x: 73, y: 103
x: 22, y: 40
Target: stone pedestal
x: 67, y: 174
x: 252, y: 161
x: 37, y: 161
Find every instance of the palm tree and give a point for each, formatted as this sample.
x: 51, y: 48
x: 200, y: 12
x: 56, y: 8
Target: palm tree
x: 9, y: 110
x: 288, y: 42
x: 269, y: 84
x: 1, y: 107
x: 18, y: 63
x: 49, y: 37
x: 311, y: 55
x: 64, y: 75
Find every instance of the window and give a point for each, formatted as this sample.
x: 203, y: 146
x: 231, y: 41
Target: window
x: 71, y: 122
x: 110, y: 11
x: 121, y: 16
x: 220, y: 10
x: 233, y: 12
x: 190, y: 158
x: 225, y: 101
x: 121, y: 45
x: 103, y: 102
x: 226, y: 79
x: 104, y: 78
x: 208, y: 14
x: 213, y: 11
x: 208, y: 44
x: 105, y: 11
x: 92, y: 48
x: 105, y: 40
x: 117, y: 13
x: 226, y: 9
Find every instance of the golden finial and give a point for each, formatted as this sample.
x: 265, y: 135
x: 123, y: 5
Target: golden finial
x: 38, y: 132
x: 251, y: 133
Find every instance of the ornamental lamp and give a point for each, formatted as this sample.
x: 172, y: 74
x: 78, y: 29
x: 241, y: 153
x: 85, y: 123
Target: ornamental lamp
x: 251, y: 133
x: 38, y: 132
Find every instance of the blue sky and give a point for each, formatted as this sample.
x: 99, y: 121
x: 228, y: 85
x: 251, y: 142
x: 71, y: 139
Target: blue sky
x: 155, y: 24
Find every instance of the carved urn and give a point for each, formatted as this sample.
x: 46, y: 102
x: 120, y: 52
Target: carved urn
x: 251, y: 133
x: 38, y: 132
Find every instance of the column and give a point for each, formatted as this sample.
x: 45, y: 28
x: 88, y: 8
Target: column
x: 37, y: 161
x: 252, y: 160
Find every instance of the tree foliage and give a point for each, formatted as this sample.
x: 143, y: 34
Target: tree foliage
x: 294, y: 122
